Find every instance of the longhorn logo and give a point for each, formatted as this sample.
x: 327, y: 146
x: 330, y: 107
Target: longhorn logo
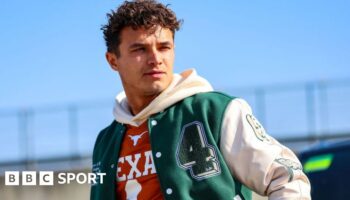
x: 136, y: 138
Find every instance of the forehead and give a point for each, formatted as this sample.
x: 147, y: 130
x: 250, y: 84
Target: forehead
x: 142, y: 35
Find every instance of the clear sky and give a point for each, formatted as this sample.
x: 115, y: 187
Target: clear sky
x: 53, y: 51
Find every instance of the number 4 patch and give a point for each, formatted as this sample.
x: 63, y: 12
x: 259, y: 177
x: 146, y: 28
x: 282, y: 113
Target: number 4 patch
x: 195, y: 154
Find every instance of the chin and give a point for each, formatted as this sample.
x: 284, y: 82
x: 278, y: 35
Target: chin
x: 156, y: 89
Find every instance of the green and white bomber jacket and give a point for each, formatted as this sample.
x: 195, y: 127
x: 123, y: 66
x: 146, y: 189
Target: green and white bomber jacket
x: 207, y: 146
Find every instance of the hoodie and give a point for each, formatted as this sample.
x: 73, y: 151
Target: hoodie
x: 186, y: 84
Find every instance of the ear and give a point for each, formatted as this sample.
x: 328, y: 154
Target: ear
x: 112, y: 60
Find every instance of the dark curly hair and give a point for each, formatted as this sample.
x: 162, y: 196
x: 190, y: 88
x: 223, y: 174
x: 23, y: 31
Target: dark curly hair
x: 137, y: 14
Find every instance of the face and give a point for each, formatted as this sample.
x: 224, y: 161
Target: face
x: 145, y: 64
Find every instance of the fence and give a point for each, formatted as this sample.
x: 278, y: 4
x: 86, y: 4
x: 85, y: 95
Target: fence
x: 294, y: 113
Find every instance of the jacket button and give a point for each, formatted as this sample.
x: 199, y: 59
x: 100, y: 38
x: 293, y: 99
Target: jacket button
x: 158, y: 154
x: 169, y: 191
x: 154, y: 122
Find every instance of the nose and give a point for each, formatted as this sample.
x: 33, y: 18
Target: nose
x: 154, y: 57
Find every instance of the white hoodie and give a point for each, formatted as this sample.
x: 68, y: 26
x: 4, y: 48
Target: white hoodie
x: 254, y: 158
x: 183, y: 85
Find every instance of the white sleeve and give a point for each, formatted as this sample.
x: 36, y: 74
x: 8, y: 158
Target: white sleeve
x: 258, y: 160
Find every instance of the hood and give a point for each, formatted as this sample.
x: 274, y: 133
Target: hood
x: 183, y: 85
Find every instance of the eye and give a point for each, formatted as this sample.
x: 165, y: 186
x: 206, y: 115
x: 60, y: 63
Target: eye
x: 140, y: 49
x: 164, y: 48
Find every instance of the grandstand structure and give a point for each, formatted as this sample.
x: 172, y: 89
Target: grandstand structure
x: 61, y: 137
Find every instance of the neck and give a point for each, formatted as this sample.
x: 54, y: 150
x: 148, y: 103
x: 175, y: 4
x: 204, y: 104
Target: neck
x: 138, y: 103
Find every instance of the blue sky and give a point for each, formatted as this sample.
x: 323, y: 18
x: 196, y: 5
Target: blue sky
x: 53, y: 51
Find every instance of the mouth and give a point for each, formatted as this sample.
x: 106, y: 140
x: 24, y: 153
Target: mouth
x: 154, y: 74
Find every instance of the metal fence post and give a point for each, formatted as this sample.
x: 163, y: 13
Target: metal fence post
x: 26, y: 137
x: 73, y: 130
x: 261, y: 106
x: 324, y: 114
x: 310, y: 109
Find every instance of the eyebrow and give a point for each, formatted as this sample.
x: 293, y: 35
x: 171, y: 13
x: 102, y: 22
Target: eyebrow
x: 137, y: 44
x: 165, y: 43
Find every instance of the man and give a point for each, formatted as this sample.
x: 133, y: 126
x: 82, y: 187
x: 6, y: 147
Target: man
x: 173, y: 137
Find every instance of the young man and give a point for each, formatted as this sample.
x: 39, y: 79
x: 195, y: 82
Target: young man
x: 173, y: 137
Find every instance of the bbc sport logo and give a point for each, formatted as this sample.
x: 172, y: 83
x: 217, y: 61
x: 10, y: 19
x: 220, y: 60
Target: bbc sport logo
x: 48, y: 178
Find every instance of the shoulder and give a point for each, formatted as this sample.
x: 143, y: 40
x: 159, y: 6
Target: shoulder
x: 223, y: 99
x: 213, y: 95
x: 239, y: 105
x: 231, y: 103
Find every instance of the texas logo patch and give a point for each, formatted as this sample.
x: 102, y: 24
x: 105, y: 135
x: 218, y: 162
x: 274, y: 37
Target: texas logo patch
x: 258, y: 128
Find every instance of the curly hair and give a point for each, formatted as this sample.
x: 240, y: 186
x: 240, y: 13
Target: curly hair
x: 137, y: 14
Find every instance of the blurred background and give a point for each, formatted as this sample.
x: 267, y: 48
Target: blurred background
x: 288, y: 59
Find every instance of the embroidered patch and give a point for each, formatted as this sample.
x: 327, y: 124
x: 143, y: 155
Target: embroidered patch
x: 258, y: 128
x: 195, y: 154
x: 290, y: 165
x: 96, y: 168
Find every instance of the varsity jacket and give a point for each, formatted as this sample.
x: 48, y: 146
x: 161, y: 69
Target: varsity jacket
x: 205, y: 145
